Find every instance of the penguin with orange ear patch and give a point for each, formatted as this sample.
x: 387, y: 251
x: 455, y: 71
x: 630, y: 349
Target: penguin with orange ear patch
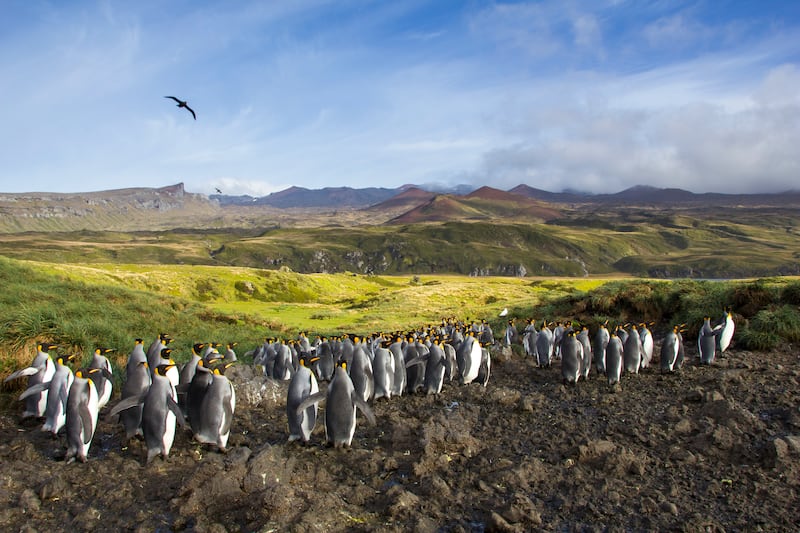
x: 82, y: 412
x: 341, y: 402
x: 302, y: 385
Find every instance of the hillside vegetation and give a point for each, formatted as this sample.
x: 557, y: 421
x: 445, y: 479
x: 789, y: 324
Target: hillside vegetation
x: 81, y: 307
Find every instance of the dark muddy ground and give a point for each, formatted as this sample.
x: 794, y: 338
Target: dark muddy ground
x: 708, y: 449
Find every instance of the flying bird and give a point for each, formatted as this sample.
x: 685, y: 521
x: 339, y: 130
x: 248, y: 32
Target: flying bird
x: 217, y: 189
x: 182, y: 103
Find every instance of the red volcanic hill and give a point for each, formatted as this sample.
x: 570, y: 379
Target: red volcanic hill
x: 485, y: 203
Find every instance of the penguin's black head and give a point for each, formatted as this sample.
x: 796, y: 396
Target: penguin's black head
x: 46, y: 347
x: 138, y: 341
x: 161, y: 369
x: 197, y: 347
x: 103, y: 350
x: 165, y: 353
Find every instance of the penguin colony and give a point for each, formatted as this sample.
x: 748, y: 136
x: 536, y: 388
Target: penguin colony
x: 157, y: 395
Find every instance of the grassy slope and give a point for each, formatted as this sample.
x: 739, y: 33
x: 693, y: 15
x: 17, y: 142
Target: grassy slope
x: 653, y: 243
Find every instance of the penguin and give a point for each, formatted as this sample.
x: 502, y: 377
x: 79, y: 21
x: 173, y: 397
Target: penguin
x: 57, y: 394
x: 614, y: 358
x: 302, y: 385
x: 468, y: 357
x: 325, y: 363
x: 155, y: 350
x: 571, y: 358
x: 383, y: 372
x: 601, y: 338
x: 137, y: 383
x: 586, y: 361
x: 544, y: 345
x: 104, y: 378
x: 230, y: 354
x: 486, y: 333
x: 415, y: 373
x: 399, y: 379
x: 669, y: 350
x: 41, y: 370
x: 283, y: 367
x: 511, y: 335
x: 485, y: 369
x: 219, y: 404
x: 341, y: 402
x: 450, y: 356
x: 190, y: 367
x: 196, y: 391
x: 435, y: 364
x: 646, y: 338
x: 83, y: 407
x: 727, y: 327
x: 632, y: 351
x: 558, y: 334
x: 187, y: 373
x: 361, y: 372
x: 529, y: 340
x: 160, y: 413
x: 621, y: 333
x: 707, y: 342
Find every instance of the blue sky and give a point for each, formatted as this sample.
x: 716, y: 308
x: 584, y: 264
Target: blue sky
x: 592, y: 96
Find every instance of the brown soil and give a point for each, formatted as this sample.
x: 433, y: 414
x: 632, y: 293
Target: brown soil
x: 707, y: 449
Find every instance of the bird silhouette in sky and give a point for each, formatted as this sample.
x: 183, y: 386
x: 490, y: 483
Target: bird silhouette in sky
x: 217, y: 189
x: 182, y: 103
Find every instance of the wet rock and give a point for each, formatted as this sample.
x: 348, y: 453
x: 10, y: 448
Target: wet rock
x: 669, y: 507
x: 87, y: 520
x: 269, y: 467
x: 402, y: 502
x: 498, y: 523
x: 29, y: 501
x: 55, y: 488
x: 505, y: 396
x: 683, y: 426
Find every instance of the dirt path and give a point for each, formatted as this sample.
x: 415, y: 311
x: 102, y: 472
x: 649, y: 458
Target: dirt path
x: 708, y: 449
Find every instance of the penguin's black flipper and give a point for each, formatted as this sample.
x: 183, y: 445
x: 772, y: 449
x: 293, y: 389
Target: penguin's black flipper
x: 29, y: 371
x: 310, y: 400
x: 86, y: 419
x: 418, y: 360
x: 364, y: 407
x: 35, y: 389
x: 176, y: 410
x: 127, y: 403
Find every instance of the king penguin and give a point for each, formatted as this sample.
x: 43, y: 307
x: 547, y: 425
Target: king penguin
x: 707, y: 342
x: 361, y: 371
x: 669, y: 350
x: 383, y: 371
x: 160, y: 412
x: 586, y: 362
x: 302, y: 385
x: 104, y: 378
x: 601, y: 338
x: 632, y: 351
x: 137, y: 381
x: 41, y: 370
x: 82, y: 413
x: 614, y: 357
x: 726, y: 332
x: 468, y: 357
x: 341, y: 402
x: 571, y: 358
x: 646, y: 338
x: 544, y: 345
x: 219, y: 404
x: 57, y: 394
x: 399, y: 380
